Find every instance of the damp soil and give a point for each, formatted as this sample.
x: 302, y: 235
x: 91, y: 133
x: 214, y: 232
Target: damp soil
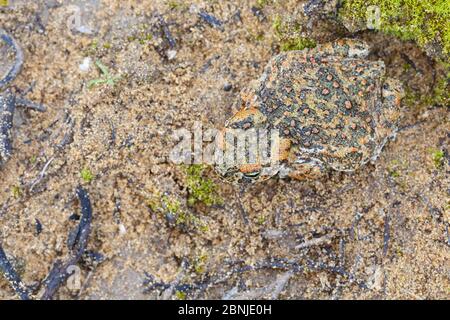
x: 378, y: 233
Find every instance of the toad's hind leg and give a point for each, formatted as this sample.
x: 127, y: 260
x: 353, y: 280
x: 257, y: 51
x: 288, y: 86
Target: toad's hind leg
x: 307, y: 170
x: 346, y: 48
x: 389, y: 115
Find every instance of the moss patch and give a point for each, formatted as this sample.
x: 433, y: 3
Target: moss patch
x: 299, y: 43
x: 439, y: 96
x: 437, y: 157
x: 16, y: 192
x: 86, y: 175
x: 176, y: 214
x: 289, y: 34
x: 424, y: 21
x: 200, y: 189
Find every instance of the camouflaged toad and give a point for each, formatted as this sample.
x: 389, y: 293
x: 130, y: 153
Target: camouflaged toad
x: 333, y: 107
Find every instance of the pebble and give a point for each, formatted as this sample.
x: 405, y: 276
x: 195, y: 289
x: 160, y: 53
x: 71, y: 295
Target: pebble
x: 85, y: 65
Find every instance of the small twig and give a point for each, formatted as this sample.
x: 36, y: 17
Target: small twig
x: 15, y: 69
x: 30, y: 104
x: 59, y: 273
x: 387, y: 233
x: 211, y: 20
x: 315, y: 242
x: 274, y: 289
x: 274, y: 264
x: 167, y: 34
x: 41, y: 174
x: 11, y: 275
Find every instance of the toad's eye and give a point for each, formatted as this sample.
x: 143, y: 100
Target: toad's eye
x: 252, y: 175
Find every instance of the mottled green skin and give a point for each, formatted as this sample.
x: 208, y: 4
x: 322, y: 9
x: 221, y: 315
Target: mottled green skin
x: 333, y: 108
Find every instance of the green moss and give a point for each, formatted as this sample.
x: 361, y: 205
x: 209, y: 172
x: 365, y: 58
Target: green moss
x: 178, y: 216
x: 200, y: 189
x: 145, y: 38
x: 180, y: 295
x: 16, y: 192
x: 199, y: 263
x: 394, y: 173
x: 86, y: 175
x: 438, y: 157
x: 440, y: 95
x: 424, y: 21
x: 171, y: 205
x: 173, y: 4
x: 277, y: 25
x: 261, y: 219
x: 398, y: 171
x: 177, y: 5
x: 441, y: 92
x: 299, y: 43
x: 262, y: 3
x: 259, y: 37
x: 289, y: 35
x: 395, y: 168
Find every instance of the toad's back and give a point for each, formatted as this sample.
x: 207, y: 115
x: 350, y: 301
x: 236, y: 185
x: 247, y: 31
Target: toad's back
x: 325, y: 105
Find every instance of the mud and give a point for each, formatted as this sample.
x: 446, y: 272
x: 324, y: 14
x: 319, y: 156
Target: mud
x: 378, y: 233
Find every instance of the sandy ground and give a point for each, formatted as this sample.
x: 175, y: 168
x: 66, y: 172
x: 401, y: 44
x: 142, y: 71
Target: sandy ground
x: 379, y: 233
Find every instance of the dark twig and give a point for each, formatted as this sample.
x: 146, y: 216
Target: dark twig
x: 8, y: 100
x: 387, y: 233
x: 275, y: 264
x: 60, y: 271
x: 30, y: 104
x: 11, y: 275
x: 167, y: 34
x: 211, y: 20
x: 7, y: 107
x: 15, y: 69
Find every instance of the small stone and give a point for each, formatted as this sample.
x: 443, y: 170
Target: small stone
x: 171, y: 54
x: 348, y: 105
x: 85, y: 65
x: 122, y: 229
x: 227, y: 87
